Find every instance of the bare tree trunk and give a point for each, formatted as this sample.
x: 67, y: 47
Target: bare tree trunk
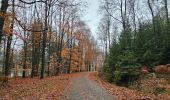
x: 58, y: 53
x: 25, y: 56
x: 49, y: 47
x: 33, y: 52
x: 108, y: 23
x: 108, y: 31
x: 132, y: 5
x: 33, y: 55
x: 4, y: 6
x: 37, y: 56
x: 123, y: 15
x: 4, y: 54
x: 62, y: 20
x: 167, y: 20
x: 166, y: 10
x: 12, y: 58
x: 71, y: 43
x: 44, y: 42
x: 62, y: 33
x: 25, y: 48
x: 106, y: 46
x: 8, y: 48
x: 153, y: 18
x: 59, y: 41
x: 7, y: 60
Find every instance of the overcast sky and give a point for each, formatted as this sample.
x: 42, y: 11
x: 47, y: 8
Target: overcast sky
x: 91, y: 16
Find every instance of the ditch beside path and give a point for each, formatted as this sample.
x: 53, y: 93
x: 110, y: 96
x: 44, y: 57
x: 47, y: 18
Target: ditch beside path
x: 83, y: 88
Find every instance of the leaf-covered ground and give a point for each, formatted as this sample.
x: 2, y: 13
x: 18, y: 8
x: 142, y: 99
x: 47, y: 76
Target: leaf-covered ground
x: 53, y: 88
x: 123, y: 93
x: 35, y: 89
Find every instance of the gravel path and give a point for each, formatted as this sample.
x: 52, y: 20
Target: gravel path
x: 82, y: 88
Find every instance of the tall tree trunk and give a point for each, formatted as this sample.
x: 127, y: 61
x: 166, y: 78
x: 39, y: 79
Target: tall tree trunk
x: 62, y: 32
x: 153, y: 18
x: 33, y: 55
x: 167, y: 20
x: 12, y: 57
x: 25, y: 57
x: 123, y: 16
x: 36, y: 58
x: 60, y: 18
x: 70, y: 56
x: 132, y: 5
x: 25, y: 60
x: 4, y: 6
x: 44, y: 41
x: 108, y: 32
x: 166, y: 11
x: 49, y: 45
x: 8, y: 48
x: 4, y: 53
x: 61, y: 38
x: 7, y: 60
x: 108, y: 23
x: 106, y: 46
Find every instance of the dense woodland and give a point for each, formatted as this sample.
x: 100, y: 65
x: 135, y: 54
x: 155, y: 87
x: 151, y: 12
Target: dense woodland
x: 135, y: 34
x: 45, y: 37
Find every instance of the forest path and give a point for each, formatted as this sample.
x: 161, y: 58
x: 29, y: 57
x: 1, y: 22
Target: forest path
x: 84, y: 88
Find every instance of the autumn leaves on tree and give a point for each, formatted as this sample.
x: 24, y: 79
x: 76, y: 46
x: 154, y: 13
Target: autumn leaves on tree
x: 47, y: 37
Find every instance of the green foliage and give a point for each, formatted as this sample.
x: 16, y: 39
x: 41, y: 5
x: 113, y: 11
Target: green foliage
x: 126, y: 75
x: 166, y: 55
x: 108, y: 72
x: 143, y: 48
x: 126, y: 58
x: 113, y: 56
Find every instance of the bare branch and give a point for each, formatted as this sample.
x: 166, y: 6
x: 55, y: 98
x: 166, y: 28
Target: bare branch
x: 113, y: 17
x: 31, y: 30
x: 33, y: 2
x: 18, y: 6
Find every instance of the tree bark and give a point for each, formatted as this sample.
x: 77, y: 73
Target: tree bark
x: 4, y: 7
x: 7, y: 60
x: 153, y: 18
x: 8, y: 48
x: 25, y: 57
x: 33, y: 56
x: 108, y: 23
x: 44, y: 41
x: 167, y: 20
x: 71, y: 43
x: 123, y: 15
x: 166, y: 11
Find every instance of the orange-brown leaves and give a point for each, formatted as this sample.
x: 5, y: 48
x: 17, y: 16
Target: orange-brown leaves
x: 48, y: 88
x: 162, y: 69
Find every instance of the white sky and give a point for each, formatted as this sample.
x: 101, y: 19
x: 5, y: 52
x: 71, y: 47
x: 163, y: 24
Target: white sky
x: 91, y: 16
x: 0, y: 3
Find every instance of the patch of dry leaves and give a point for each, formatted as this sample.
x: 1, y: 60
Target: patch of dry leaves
x: 123, y: 93
x: 34, y: 88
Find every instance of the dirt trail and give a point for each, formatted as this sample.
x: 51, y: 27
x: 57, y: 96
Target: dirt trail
x: 83, y: 88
